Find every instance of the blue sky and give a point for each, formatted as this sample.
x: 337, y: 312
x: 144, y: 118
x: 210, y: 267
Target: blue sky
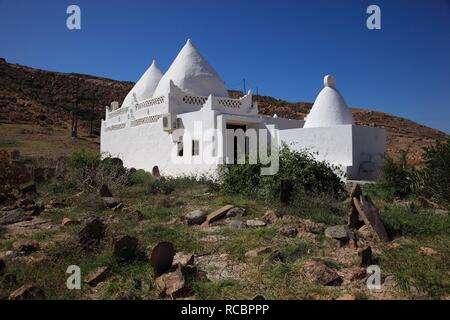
x: 282, y: 47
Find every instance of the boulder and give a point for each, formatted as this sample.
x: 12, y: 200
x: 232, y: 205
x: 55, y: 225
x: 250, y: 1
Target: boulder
x: 69, y: 222
x: 135, y: 215
x: 110, y: 202
x: 172, y: 284
x: 194, y: 217
x: 288, y: 231
x: 371, y: 217
x: 104, y: 192
x: 319, y: 273
x: 258, y: 252
x: 236, y: 212
x: 218, y: 214
x: 255, y: 223
x: 237, y: 224
x: 124, y: 248
x: 365, y: 256
x: 93, y: 231
x: 161, y: 257
x: 97, y: 276
x: 14, y: 216
x: 427, y: 251
x: 25, y: 246
x: 309, y: 226
x: 270, y: 217
x: 341, y: 233
x: 183, y: 259
x: 29, y: 189
x: 27, y: 292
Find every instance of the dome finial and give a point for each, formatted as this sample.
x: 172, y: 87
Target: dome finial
x: 189, y: 41
x: 329, y: 81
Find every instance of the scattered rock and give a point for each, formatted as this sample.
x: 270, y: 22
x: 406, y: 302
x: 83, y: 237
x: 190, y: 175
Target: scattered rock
x: 110, y: 202
x: 347, y: 296
x: 172, y: 284
x: 236, y: 212
x: 365, y: 257
x: 218, y: 214
x: 309, y: 226
x: 93, y: 231
x: 212, y: 239
x: 257, y: 252
x: 340, y: 233
x: 183, y: 259
x: 29, y: 189
x: 288, y: 231
x: 53, y: 204
x: 357, y: 274
x: 427, y: 251
x: 371, y: 217
x: 255, y: 223
x: 270, y: 217
x: 124, y: 248
x: 135, y: 215
x: 417, y: 293
x: 319, y: 273
x: 161, y: 257
x: 220, y: 267
x: 26, y: 246
x: 259, y: 297
x: 237, y: 224
x: 69, y: 222
x: 14, y: 216
x: 97, y: 276
x: 104, y: 192
x: 195, y: 217
x: 27, y: 292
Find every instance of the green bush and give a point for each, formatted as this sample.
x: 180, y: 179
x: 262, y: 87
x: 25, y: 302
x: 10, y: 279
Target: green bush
x: 406, y: 222
x: 432, y: 180
x: 306, y: 174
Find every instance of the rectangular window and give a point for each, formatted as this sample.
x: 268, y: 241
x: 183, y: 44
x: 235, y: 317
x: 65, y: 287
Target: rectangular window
x: 195, y: 147
x: 180, y: 148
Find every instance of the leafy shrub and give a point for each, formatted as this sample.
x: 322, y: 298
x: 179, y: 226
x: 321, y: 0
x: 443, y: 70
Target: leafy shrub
x: 307, y: 175
x: 89, y: 172
x: 240, y: 178
x: 433, y: 181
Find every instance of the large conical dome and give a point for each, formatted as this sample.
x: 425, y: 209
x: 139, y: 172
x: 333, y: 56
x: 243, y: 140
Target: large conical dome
x: 330, y: 108
x: 192, y: 74
x: 146, y: 85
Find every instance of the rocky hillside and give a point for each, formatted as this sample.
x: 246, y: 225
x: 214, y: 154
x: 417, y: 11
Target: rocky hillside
x: 31, y: 96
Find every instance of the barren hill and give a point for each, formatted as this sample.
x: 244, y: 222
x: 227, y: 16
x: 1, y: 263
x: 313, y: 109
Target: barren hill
x: 42, y: 98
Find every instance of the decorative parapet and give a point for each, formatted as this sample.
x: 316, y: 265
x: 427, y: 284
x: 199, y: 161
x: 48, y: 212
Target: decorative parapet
x: 144, y: 120
x: 151, y: 102
x: 229, y: 103
x: 115, y: 127
x: 197, y: 100
x: 117, y: 113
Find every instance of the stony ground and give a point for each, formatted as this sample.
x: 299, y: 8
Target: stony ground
x: 243, y: 252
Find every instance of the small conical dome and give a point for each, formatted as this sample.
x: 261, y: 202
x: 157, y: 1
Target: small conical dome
x: 146, y: 85
x: 330, y: 108
x: 192, y: 74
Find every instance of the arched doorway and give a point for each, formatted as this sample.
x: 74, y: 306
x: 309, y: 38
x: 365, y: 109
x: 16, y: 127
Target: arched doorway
x: 155, y: 172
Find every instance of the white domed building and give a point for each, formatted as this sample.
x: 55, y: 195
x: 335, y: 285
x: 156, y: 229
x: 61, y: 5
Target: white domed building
x: 183, y: 122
